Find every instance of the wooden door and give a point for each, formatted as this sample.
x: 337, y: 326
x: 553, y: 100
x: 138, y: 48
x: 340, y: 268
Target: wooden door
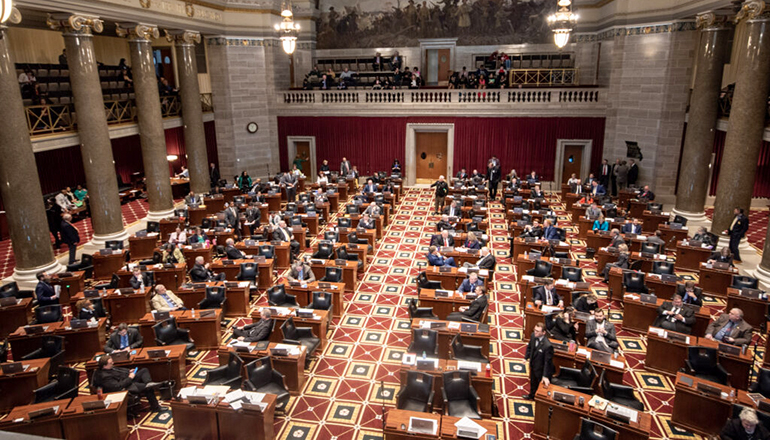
x: 431, y: 155
x: 167, y: 66
x: 573, y: 155
x: 443, y: 67
x: 303, y: 151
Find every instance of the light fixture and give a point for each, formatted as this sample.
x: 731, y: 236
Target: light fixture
x: 562, y: 22
x: 6, y: 7
x: 172, y: 157
x: 288, y: 30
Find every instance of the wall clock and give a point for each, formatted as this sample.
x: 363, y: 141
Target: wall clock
x: 252, y: 127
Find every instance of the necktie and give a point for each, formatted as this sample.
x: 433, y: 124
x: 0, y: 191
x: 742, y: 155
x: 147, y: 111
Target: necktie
x: 537, y: 342
x: 299, y: 276
x: 124, y: 341
x: 548, y: 296
x: 168, y: 300
x: 285, y: 234
x: 446, y: 242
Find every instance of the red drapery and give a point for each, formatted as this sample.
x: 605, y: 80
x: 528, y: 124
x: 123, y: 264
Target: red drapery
x: 762, y: 178
x: 373, y: 143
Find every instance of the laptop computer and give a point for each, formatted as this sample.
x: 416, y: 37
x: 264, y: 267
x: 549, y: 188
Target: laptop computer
x: 50, y: 411
x: 12, y: 368
x: 8, y: 301
x: 601, y: 356
x: 94, y: 405
x: 120, y: 356
x: 79, y: 323
x: 161, y: 316
x: 156, y: 354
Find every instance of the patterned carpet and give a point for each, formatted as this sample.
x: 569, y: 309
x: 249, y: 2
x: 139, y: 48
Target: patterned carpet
x: 758, y: 219
x: 357, y: 375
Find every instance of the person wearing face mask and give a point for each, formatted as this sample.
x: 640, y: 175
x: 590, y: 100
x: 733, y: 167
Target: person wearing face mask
x: 745, y: 427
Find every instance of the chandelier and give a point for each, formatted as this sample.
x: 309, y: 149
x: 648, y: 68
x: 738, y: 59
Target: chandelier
x: 288, y: 30
x: 6, y: 7
x: 562, y: 23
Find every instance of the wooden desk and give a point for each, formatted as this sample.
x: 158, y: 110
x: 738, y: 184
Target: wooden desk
x: 754, y: 309
x: 106, y: 265
x: 70, y: 285
x: 397, y: 423
x: 712, y: 411
x: 639, y: 316
x: 636, y: 208
x: 171, y: 367
x: 46, y: 426
x: 666, y: 356
x: 23, y: 344
x: 523, y: 264
x: 171, y: 277
x: 319, y: 324
x: 206, y: 332
x: 739, y: 366
x: 672, y: 236
x: 449, y: 430
x: 443, y: 306
x: 237, y: 294
x: 349, y: 271
x: 369, y: 234
x: 245, y: 424
x: 195, y: 216
x: 17, y: 389
x: 445, y: 335
x: 652, y: 221
x: 168, y: 226
x: 715, y: 281
x: 690, y: 257
x: 597, y: 241
x: 180, y: 187
x: 127, y: 307
x: 264, y: 271
x: 15, y: 316
x: 191, y: 254
x: 662, y: 289
x: 563, y: 288
x: 533, y: 315
x: 214, y: 204
x: 195, y: 421
x: 452, y: 279
x: 648, y: 260
x: 230, y: 193
x: 142, y: 247
x: 520, y: 246
x: 291, y: 366
x: 81, y: 343
x: 109, y: 423
x: 304, y: 295
x: 613, y: 370
x: 281, y: 252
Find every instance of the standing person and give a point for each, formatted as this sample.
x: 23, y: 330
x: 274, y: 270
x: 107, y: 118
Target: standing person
x: 345, y: 167
x: 53, y: 213
x: 604, y: 173
x: 493, y: 176
x: 540, y: 356
x: 614, y: 179
x: 70, y: 237
x: 214, y: 175
x: 289, y: 181
x: 442, y: 189
x: 621, y: 176
x: 633, y: 172
x: 737, y: 231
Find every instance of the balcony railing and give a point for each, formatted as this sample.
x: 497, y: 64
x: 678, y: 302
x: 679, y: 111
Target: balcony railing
x: 543, y: 77
x: 59, y: 118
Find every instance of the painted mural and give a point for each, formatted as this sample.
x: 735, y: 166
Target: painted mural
x: 394, y: 23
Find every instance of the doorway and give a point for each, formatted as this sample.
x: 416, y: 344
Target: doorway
x: 431, y: 151
x: 438, y: 65
x: 304, y: 146
x: 164, y: 65
x: 571, y: 161
x: 444, y: 146
x: 572, y: 156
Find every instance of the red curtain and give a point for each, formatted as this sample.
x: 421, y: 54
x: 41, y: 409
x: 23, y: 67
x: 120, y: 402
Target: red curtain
x: 175, y: 145
x: 762, y: 178
x: 373, y: 143
x: 211, y: 142
x: 60, y: 168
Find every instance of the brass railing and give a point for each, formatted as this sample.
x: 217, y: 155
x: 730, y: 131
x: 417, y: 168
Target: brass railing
x: 543, y: 77
x: 120, y: 112
x: 50, y: 118
x: 207, y: 103
x: 170, y: 106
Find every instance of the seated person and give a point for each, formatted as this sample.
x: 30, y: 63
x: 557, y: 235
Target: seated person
x: 193, y: 199
x: 547, y: 295
x: 472, y: 242
x: 723, y: 256
x: 647, y: 194
x: 85, y: 310
x: 615, y: 239
x: 673, y: 315
x: 258, y: 331
x: 597, y: 189
x: 198, y: 236
x: 444, y: 223
x: 477, y: 178
x: 462, y: 174
x: 745, y: 427
x: 475, y: 311
x: 165, y: 300
x: 564, y: 326
x: 322, y: 179
x: 632, y: 228
x: 373, y: 210
x: 178, y: 236
x: 586, y: 303
x: 536, y: 193
x: 532, y: 177
x: 139, y: 280
x: 124, y: 338
x: 436, y: 259
x: 657, y: 239
x: 370, y: 187
x: 200, y: 273
x: 550, y: 232
x: 283, y: 233
x: 301, y: 273
x: 172, y: 253
x: 600, y: 333
x: 442, y: 240
x: 730, y: 328
x: 231, y: 252
x: 533, y: 230
x: 453, y: 210
x: 113, y: 379
x: 587, y: 199
x: 692, y: 295
x: 600, y: 224
x: 622, y: 261
x: 486, y: 260
x: 469, y: 284
x: 45, y: 293
x: 593, y: 211
x: 703, y: 236
x: 367, y: 222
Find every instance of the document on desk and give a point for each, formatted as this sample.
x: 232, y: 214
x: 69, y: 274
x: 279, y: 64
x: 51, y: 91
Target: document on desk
x: 584, y: 352
x: 467, y: 428
x: 632, y: 415
x: 234, y: 395
x: 617, y: 364
x: 466, y: 365
x: 215, y: 390
x: 454, y: 325
x: 293, y: 350
x: 117, y: 398
x: 187, y: 391
x: 529, y: 278
x: 243, y: 284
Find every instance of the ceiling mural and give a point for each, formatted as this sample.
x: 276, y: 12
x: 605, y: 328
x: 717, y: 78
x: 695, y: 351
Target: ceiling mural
x: 398, y: 23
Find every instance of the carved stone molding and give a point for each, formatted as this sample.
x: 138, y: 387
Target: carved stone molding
x: 182, y: 36
x: 137, y: 31
x: 76, y: 23
x: 710, y: 21
x: 753, y: 10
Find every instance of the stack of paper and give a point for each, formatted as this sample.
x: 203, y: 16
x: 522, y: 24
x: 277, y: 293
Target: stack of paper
x: 469, y: 429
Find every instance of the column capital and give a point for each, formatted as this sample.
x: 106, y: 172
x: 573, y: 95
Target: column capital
x: 15, y: 18
x: 137, y: 31
x: 182, y: 36
x: 753, y: 10
x: 76, y: 23
x: 711, y: 21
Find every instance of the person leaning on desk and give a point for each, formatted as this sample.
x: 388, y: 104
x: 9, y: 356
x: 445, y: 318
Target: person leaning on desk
x: 730, y: 328
x: 124, y: 338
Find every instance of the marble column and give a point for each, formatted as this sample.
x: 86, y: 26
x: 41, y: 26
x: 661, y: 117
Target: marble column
x: 747, y: 116
x: 763, y: 269
x: 151, y: 132
x: 19, y: 183
x: 699, y: 139
x: 194, y: 133
x: 95, y: 146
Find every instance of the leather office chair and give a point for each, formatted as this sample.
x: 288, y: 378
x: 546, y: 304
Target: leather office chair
x: 654, y: 207
x: 299, y: 336
x: 636, y: 265
x: 219, y: 251
x: 417, y: 394
x: 215, y: 299
x: 239, y: 200
x: 325, y: 251
x: 702, y: 362
x: 86, y: 264
x: 620, y: 394
x: 113, y: 244
x: 167, y: 333
x: 248, y: 272
x: 153, y: 227
x: 460, y: 398
x: 4, y: 352
x: 157, y: 257
x: 12, y: 289
x: 662, y: 268
x: 321, y: 303
x: 65, y: 386
x: 424, y: 341
x: 229, y: 375
x: 343, y: 254
x: 332, y: 236
x: 542, y: 269
x: 353, y: 238
x: 277, y: 296
x: 574, y: 274
x: 762, y: 385
x: 332, y: 275
x: 526, y: 217
x: 651, y: 248
x: 633, y: 282
x: 744, y: 282
x: 590, y: 430
x: 562, y: 234
x: 559, y: 254
x: 470, y: 353
x: 611, y: 213
x: 262, y: 378
x: 351, y: 209
x: 50, y: 347
x: 424, y: 283
x: 679, y: 219
x: 45, y: 314
x: 581, y: 380
x: 113, y: 284
x: 267, y: 251
x: 344, y: 222
x: 419, y: 312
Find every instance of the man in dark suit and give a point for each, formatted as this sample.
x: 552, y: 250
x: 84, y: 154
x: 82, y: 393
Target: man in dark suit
x: 289, y: 181
x: 473, y: 312
x: 70, y: 236
x: 533, y: 230
x: 605, y: 171
x: 444, y: 223
x: 597, y: 189
x: 301, y: 272
x: 282, y: 233
x: 139, y: 280
x: 690, y: 294
x: 231, y: 252
x: 214, y: 175
x: 486, y: 260
x: 345, y: 167
x: 442, y: 240
x: 462, y: 174
x: 600, y: 333
x: 493, y: 176
x: 258, y: 331
x: 124, y: 338
x: 647, y: 194
x: 370, y: 187
x: 366, y: 222
x: 540, y: 356
x: 633, y: 172
x: 232, y: 219
x: 200, y: 273
x: 730, y: 328
x: 436, y: 259
x: 673, y: 315
x: 453, y: 210
x: 442, y: 189
x: 113, y: 379
x: 615, y: 239
x: 632, y: 228
x: 550, y: 232
x: 547, y: 295
x: 44, y: 292
x: 536, y: 193
x: 737, y: 230
x: 469, y: 284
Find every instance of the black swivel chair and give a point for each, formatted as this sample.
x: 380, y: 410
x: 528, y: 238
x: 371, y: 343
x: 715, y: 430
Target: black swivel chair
x: 248, y: 272
x: 344, y: 222
x: 470, y: 353
x: 325, y: 251
x: 581, y: 380
x: 419, y: 312
x: 702, y: 362
x: 86, y: 264
x: 153, y: 227
x: 574, y: 274
x: 633, y: 282
x: 50, y: 347
x: 157, y: 257
x: 744, y: 282
x: 762, y: 385
x: 620, y: 394
x: 12, y: 289
x: 424, y: 283
x: 351, y: 209
x: 662, y: 268
x: 321, y: 301
x: 46, y: 314
x: 115, y: 245
x: 558, y: 254
x: 215, y: 299
x: 424, y: 341
x: 343, y: 254
x: 590, y: 430
x: 277, y: 297
x: 65, y: 386
x: 654, y: 207
x: 652, y: 248
x: 167, y: 333
x: 417, y: 394
x: 113, y: 284
x: 229, y: 375
x: 332, y: 275
x: 267, y: 251
x: 542, y: 269
x: 332, y: 236
x: 353, y: 238
x: 300, y: 336
x: 460, y: 398
x: 679, y: 219
x: 262, y: 378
